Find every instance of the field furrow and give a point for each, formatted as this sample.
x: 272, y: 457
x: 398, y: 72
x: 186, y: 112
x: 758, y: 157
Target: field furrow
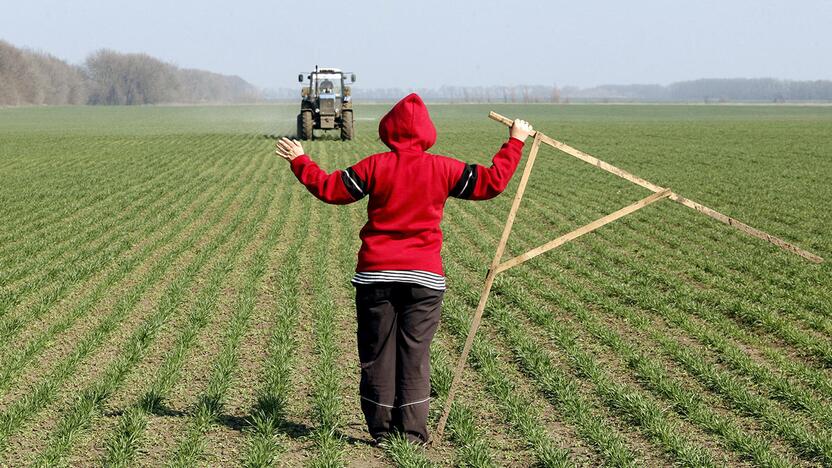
x: 268, y: 427
x: 106, y: 264
x: 38, y: 342
x: 44, y: 391
x: 78, y: 195
x: 78, y: 418
x: 211, y: 401
x: 128, y: 435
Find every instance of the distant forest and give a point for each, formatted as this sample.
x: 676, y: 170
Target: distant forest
x: 712, y: 90
x: 108, y: 77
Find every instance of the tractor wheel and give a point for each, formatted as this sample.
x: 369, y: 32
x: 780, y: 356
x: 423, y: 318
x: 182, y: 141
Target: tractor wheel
x: 306, y: 125
x: 346, y: 125
x: 299, y: 132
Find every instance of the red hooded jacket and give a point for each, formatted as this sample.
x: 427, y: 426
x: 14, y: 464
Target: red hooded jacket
x: 408, y: 188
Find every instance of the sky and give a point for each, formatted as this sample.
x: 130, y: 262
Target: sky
x: 427, y: 44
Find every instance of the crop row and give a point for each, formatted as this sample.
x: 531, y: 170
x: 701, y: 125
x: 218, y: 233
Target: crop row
x: 127, y: 437
x: 15, y: 363
x: 44, y: 391
x: 78, y: 418
x: 67, y: 257
x: 102, y: 263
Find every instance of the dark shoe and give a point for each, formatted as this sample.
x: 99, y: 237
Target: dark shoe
x: 416, y: 440
x: 379, y: 439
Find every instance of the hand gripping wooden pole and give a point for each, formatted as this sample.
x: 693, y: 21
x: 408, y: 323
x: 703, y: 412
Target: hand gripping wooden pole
x: 498, y: 267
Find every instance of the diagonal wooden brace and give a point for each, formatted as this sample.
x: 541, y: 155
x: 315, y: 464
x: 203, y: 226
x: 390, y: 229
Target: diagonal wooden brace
x: 553, y: 244
x: 673, y: 196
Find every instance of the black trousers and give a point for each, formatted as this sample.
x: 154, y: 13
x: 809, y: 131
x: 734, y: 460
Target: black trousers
x: 396, y: 323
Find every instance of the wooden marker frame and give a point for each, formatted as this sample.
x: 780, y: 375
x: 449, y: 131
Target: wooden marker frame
x: 497, y: 266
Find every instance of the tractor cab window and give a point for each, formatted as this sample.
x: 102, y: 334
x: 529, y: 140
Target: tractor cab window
x: 329, y: 84
x: 326, y: 86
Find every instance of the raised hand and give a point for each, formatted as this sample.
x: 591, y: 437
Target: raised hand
x: 520, y: 129
x: 288, y: 149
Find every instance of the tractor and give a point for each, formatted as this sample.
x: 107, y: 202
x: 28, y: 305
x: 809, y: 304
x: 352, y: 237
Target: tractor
x: 326, y: 103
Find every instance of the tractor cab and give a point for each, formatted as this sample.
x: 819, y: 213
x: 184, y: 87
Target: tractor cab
x: 326, y: 103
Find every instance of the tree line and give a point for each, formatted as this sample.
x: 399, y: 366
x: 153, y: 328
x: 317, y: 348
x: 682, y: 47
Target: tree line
x: 108, y: 77
x: 713, y: 90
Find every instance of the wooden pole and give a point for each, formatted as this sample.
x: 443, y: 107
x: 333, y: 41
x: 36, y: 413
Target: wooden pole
x: 582, y: 230
x: 725, y: 219
x: 486, y: 290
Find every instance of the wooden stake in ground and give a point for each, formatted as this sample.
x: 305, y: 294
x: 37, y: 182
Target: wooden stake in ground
x: 498, y: 267
x: 489, y: 281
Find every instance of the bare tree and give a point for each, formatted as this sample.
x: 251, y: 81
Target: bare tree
x: 29, y: 77
x: 133, y: 79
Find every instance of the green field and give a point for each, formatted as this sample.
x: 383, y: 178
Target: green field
x: 169, y: 294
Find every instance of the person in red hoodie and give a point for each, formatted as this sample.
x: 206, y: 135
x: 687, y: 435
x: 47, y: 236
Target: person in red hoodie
x: 399, y: 279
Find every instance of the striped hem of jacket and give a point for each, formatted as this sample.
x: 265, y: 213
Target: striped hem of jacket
x: 420, y: 277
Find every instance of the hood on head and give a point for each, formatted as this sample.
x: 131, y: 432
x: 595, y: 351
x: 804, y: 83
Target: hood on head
x: 408, y: 126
